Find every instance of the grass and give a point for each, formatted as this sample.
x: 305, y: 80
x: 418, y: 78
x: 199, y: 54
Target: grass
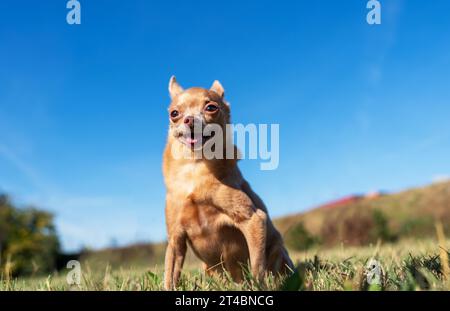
x: 406, y: 265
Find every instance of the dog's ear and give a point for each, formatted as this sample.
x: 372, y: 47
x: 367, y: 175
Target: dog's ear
x: 218, y: 88
x: 174, y: 88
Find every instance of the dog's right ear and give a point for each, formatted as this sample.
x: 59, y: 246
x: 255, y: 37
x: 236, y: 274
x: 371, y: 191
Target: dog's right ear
x: 174, y: 88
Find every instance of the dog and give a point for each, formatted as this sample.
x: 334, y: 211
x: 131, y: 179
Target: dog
x: 209, y: 205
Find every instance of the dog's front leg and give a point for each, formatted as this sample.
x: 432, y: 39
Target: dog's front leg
x: 255, y: 233
x: 251, y: 221
x: 175, y: 254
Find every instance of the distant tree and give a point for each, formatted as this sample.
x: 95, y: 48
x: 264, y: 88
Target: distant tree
x: 298, y: 238
x: 380, y: 229
x: 28, y: 239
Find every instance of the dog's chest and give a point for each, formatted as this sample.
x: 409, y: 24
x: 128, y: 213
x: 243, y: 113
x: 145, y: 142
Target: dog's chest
x: 186, y: 179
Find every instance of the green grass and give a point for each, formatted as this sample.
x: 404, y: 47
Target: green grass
x: 407, y: 265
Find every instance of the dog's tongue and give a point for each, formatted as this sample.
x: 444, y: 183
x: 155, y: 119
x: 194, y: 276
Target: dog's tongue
x: 191, y: 140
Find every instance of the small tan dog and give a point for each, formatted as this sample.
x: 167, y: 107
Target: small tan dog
x: 209, y: 205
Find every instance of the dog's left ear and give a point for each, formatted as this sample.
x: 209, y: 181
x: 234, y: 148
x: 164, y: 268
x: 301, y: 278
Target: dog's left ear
x: 218, y: 88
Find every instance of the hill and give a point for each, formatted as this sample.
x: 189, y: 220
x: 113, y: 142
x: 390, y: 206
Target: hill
x: 408, y: 214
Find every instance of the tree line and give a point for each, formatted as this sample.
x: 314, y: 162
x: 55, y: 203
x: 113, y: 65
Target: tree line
x: 29, y: 243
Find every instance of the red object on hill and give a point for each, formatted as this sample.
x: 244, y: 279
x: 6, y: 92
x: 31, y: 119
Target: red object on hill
x: 343, y: 201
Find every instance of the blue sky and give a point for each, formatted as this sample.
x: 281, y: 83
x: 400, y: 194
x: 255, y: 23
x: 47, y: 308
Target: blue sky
x: 83, y: 109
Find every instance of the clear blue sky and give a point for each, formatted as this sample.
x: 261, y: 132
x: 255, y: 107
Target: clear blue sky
x: 83, y: 109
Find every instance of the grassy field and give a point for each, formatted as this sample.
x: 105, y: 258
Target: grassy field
x: 413, y: 260
x: 406, y: 265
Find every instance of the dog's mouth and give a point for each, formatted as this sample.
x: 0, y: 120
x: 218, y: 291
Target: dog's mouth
x: 195, y: 140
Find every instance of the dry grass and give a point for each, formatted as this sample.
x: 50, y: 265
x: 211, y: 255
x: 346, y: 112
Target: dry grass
x: 407, y: 265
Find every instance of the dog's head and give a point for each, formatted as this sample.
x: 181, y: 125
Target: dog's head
x: 192, y: 110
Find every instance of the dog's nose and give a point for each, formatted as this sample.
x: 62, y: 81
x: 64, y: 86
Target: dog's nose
x: 189, y: 121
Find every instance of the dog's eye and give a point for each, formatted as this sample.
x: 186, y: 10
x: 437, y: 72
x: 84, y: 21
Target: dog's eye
x: 174, y: 114
x: 211, y: 108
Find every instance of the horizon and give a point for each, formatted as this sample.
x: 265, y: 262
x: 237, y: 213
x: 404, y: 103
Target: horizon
x: 83, y: 108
